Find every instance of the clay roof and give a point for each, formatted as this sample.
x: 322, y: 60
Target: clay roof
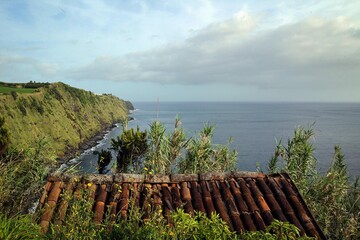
x: 244, y: 200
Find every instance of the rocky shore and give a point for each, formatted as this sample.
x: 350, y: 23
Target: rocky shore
x: 87, y: 144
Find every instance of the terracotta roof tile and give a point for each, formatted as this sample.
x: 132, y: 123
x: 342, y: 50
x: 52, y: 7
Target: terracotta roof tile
x: 244, y: 200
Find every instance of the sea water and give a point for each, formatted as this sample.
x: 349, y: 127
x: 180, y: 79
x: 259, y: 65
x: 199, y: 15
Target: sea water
x: 255, y: 128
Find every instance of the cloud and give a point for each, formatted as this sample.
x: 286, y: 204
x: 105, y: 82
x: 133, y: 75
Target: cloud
x: 17, y: 68
x: 315, y: 51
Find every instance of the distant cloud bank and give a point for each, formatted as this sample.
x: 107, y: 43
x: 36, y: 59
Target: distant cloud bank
x: 316, y: 51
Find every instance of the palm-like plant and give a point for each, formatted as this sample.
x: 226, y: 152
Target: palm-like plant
x: 131, y: 147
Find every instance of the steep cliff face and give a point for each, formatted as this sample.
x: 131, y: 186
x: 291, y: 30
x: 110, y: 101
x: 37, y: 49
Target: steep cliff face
x: 66, y: 116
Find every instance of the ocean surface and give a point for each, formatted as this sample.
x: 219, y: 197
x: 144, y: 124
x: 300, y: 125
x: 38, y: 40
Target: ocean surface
x: 254, y: 127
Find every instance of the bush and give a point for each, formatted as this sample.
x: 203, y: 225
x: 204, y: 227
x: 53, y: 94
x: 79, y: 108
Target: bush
x: 131, y: 147
x: 14, y: 95
x: 202, y: 156
x: 160, y: 151
x: 37, y: 106
x: 333, y: 199
x: 22, y: 104
x: 104, y: 159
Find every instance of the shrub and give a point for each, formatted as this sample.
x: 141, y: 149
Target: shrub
x: 131, y: 147
x: 202, y: 156
x: 37, y: 106
x: 22, y: 104
x: 104, y: 159
x: 333, y: 199
x: 14, y: 95
x: 160, y: 151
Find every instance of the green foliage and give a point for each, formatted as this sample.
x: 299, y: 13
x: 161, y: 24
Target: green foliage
x: 14, y: 95
x: 79, y: 222
x: 36, y: 105
x: 200, y: 226
x: 33, y: 84
x: 177, y: 141
x: 4, y: 136
x: 160, y: 151
x: 84, y: 97
x: 22, y: 105
x: 67, y: 123
x: 21, y: 176
x: 18, y: 227
x: 7, y: 90
x: 277, y: 230
x: 297, y: 158
x: 130, y: 147
x: 183, y: 226
x: 202, y: 156
x: 164, y: 148
x: 104, y: 159
x: 334, y: 201
x: 55, y: 93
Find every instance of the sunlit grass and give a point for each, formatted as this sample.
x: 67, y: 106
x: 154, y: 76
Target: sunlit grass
x: 18, y: 90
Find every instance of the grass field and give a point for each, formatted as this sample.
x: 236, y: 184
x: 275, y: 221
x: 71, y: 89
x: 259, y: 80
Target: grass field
x: 18, y: 90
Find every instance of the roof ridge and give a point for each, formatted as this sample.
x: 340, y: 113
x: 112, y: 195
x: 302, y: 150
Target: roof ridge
x: 156, y: 178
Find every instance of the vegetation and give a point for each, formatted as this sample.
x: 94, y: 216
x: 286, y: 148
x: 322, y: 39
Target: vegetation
x: 31, y: 84
x: 131, y: 147
x: 18, y: 227
x: 161, y: 152
x: 4, y: 136
x: 202, y: 156
x: 67, y: 116
x: 333, y: 198
x: 22, y: 174
x: 16, y: 90
x: 104, y: 159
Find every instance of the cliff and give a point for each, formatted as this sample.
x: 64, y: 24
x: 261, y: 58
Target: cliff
x: 66, y: 116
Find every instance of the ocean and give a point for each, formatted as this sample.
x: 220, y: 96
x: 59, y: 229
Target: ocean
x: 254, y: 127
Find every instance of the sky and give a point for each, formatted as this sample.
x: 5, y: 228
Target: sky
x: 189, y: 50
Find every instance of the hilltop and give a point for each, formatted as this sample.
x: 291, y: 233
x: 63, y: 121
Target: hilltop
x: 67, y: 117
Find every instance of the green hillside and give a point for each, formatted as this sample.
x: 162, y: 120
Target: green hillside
x: 66, y: 116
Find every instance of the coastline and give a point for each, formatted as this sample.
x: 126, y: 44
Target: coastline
x: 72, y: 153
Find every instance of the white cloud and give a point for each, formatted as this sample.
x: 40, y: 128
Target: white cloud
x: 17, y: 68
x: 316, y: 51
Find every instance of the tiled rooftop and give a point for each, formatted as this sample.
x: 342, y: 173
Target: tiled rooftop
x: 244, y: 200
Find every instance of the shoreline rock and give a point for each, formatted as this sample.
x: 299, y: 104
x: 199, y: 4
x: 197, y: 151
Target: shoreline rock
x: 71, y: 152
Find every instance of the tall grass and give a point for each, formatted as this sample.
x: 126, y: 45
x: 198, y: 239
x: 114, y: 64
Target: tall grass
x: 22, y: 174
x: 163, y: 152
x: 18, y: 227
x: 333, y: 199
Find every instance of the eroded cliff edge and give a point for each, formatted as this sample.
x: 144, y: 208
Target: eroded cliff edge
x: 65, y: 116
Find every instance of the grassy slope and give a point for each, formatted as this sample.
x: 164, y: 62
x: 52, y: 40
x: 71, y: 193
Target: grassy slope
x: 4, y: 89
x: 65, y: 115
